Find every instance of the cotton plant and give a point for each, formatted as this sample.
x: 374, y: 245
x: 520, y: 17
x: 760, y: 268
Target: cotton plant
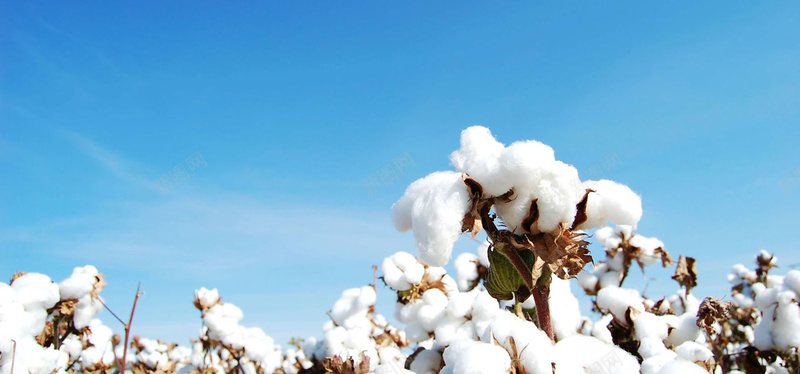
x: 760, y: 327
x: 51, y: 327
x: 444, y: 322
x: 531, y: 206
x: 238, y: 347
x: 622, y: 248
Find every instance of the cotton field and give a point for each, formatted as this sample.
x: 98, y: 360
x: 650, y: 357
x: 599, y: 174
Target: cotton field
x: 511, y: 306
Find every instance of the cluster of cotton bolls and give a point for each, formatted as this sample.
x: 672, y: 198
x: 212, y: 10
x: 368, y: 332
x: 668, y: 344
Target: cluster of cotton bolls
x: 767, y: 314
x: 621, y: 246
x: 435, y: 206
x: 44, y: 326
x: 357, y: 331
x: 246, y: 347
x: 464, y: 330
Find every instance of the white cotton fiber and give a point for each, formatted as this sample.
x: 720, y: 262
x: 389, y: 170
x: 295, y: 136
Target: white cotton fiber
x: 557, y: 191
x: 401, y: 271
x: 471, y: 357
x: 694, y: 352
x: 533, y: 346
x: 483, y: 254
x: 613, y: 202
x: 427, y: 362
x: 434, y: 207
x: 564, y: 309
x: 466, y: 266
x: 350, y: 309
x: 592, y: 355
x: 79, y: 284
x: 681, y: 366
x: 206, y: 298
x: 222, y: 320
x: 525, y: 161
x: 36, y: 291
x: 617, y: 300
x: 479, y: 158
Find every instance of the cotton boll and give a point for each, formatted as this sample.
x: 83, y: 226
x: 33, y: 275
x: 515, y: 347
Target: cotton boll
x: 653, y: 364
x: 600, y: 329
x: 100, y: 351
x: 484, y: 305
x: 564, y: 309
x: 86, y: 309
x: 434, y: 207
x: 351, y: 308
x: 415, y: 333
x: 222, y: 320
x: 466, y: 266
x: 205, y: 298
x: 479, y: 158
x: 401, y: 271
x: 618, y: 300
x: 684, y: 329
x: 483, y: 254
x: 613, y: 202
x: 647, y: 248
x: 407, y: 313
x: 681, y: 366
x: 257, y: 345
x: 649, y: 325
x: 533, y: 346
x: 524, y: 161
x: 649, y: 347
x: 35, y: 291
x: 72, y: 346
x: 610, y: 279
x: 460, y: 304
x: 786, y: 326
x: 427, y: 362
x: 557, y: 191
x: 432, y: 310
x: 792, y: 281
x: 588, y: 279
x: 445, y: 331
x: 471, y: 357
x: 593, y: 355
x: 694, y: 352
x: 79, y: 284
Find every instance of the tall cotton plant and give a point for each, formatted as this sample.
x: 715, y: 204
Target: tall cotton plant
x: 530, y: 205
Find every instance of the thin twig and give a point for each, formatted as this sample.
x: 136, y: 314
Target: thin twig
x: 13, y: 355
x: 128, y: 328
x: 111, y: 311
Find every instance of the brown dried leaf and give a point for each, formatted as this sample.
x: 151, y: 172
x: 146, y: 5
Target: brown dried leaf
x: 472, y: 219
x: 336, y: 365
x: 65, y: 307
x: 765, y: 262
x: 712, y: 310
x: 98, y: 286
x: 532, y: 217
x: 16, y: 275
x: 566, y: 254
x: 666, y: 258
x: 46, y: 335
x: 473, y: 187
x: 686, y: 273
x: 580, y: 216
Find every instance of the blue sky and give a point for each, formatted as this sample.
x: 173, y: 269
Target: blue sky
x: 292, y: 105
